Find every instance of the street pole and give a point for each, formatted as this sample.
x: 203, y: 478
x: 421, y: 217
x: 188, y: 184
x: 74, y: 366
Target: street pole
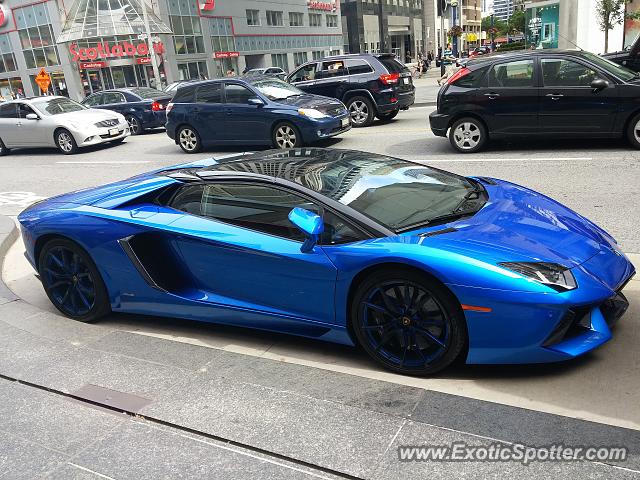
x: 152, y: 53
x: 454, y: 38
x: 381, y: 27
x: 443, y: 39
x: 493, y: 35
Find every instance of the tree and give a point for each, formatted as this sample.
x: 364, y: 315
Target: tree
x: 500, y: 26
x: 610, y: 13
x: 517, y: 21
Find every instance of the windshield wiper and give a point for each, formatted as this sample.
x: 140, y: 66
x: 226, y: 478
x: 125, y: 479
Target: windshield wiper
x: 439, y: 219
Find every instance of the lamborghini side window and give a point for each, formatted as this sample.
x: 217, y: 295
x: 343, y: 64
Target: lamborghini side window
x: 188, y: 199
x: 256, y: 207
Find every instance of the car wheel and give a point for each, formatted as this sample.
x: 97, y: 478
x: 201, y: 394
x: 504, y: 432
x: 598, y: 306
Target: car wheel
x: 3, y: 149
x: 361, y: 111
x: 65, y: 142
x: 189, y: 140
x: 386, y: 117
x: 468, y: 135
x: 408, y: 323
x: 286, y: 136
x: 134, y: 125
x: 633, y: 132
x: 72, y: 281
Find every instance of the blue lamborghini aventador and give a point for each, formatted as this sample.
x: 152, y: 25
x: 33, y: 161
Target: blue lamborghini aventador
x: 416, y: 265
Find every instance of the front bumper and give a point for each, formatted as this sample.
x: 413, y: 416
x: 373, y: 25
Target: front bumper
x: 439, y: 124
x: 101, y: 135
x: 315, y: 130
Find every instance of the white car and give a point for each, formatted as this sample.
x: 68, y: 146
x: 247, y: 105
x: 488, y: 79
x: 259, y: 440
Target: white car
x: 57, y: 122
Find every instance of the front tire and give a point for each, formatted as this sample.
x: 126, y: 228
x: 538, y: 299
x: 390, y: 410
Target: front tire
x: 407, y: 322
x: 189, y: 140
x: 286, y: 136
x: 135, y: 127
x: 72, y: 282
x: 65, y: 142
x: 633, y: 132
x: 361, y: 111
x: 468, y: 135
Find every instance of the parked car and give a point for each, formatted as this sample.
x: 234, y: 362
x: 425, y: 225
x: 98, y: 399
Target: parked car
x: 173, y: 87
x: 369, y: 85
x: 144, y: 108
x: 57, y: 122
x: 251, y: 111
x: 417, y: 266
x: 538, y: 93
x: 628, y: 57
x: 270, y: 71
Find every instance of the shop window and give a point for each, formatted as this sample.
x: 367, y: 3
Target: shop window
x: 274, y: 19
x: 58, y: 85
x: 296, y: 19
x: 299, y: 58
x: 315, y: 20
x: 280, y: 60
x: 253, y: 18
x: 332, y: 21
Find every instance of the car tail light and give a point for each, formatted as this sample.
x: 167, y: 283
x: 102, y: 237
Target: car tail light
x: 394, y: 100
x: 169, y: 107
x: 458, y: 75
x: 155, y: 106
x: 390, y: 78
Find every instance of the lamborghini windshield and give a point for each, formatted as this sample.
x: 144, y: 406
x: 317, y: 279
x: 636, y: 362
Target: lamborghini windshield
x: 398, y: 194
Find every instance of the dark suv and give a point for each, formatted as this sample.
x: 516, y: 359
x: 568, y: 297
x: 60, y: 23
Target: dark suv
x: 540, y: 94
x: 369, y: 85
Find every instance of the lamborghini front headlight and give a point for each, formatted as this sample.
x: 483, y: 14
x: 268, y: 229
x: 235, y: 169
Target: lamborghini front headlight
x: 552, y: 275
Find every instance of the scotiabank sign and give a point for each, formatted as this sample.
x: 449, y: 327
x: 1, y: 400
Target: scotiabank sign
x: 105, y: 50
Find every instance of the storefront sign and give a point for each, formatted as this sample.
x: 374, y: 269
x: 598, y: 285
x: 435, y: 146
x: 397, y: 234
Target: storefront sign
x: 86, y: 65
x: 4, y: 16
x: 226, y: 55
x: 207, y: 5
x: 43, y: 80
x: 143, y: 60
x: 327, y: 7
x: 104, y: 50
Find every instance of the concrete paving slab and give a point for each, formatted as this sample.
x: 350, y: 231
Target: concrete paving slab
x: 142, y: 451
x: 416, y: 434
x: 50, y: 421
x: 21, y: 459
x: 70, y: 471
x: 334, y: 436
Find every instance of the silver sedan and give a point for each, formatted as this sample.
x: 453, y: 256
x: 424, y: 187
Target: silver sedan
x: 57, y: 122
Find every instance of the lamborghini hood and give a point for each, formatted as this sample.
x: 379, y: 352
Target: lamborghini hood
x: 518, y: 224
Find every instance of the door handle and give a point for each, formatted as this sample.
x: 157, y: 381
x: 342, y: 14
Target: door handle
x: 492, y: 95
x: 228, y: 111
x: 196, y: 110
x: 555, y: 96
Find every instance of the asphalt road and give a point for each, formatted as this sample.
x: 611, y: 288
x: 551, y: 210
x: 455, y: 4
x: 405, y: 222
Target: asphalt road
x: 599, y: 179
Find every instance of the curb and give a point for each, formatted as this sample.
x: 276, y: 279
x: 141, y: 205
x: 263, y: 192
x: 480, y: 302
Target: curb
x: 8, y: 235
x: 424, y: 104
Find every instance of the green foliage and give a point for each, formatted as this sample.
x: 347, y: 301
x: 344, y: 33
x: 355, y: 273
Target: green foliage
x: 517, y: 21
x: 507, y: 47
x: 610, y: 13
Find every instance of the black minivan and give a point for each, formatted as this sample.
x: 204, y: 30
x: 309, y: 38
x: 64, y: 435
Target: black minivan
x: 370, y: 85
x: 543, y: 93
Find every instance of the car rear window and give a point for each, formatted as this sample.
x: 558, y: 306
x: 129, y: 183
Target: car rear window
x: 147, y: 93
x: 476, y: 79
x: 392, y: 64
x: 184, y: 94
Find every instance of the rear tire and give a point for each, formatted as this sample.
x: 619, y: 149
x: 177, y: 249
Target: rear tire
x: 408, y: 322
x: 468, y: 135
x: 3, y: 149
x: 189, y: 140
x: 135, y: 127
x: 286, y: 136
x: 361, y: 111
x: 72, y: 282
x: 65, y: 142
x: 633, y: 132
x: 386, y: 117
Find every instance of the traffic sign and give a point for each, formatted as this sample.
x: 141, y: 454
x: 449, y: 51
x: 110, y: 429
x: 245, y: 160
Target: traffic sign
x: 43, y: 80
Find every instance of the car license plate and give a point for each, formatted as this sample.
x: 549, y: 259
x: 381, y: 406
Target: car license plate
x: 345, y: 122
x: 406, y: 81
x: 113, y: 132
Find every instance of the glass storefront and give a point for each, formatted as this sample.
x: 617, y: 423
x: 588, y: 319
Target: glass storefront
x: 9, y: 87
x: 118, y: 76
x: 192, y: 70
x: 542, y: 26
x: 58, y: 85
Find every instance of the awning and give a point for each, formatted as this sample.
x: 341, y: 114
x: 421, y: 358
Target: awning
x: 108, y: 18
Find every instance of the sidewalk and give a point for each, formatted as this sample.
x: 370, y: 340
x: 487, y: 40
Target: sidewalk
x: 92, y: 401
x: 427, y: 88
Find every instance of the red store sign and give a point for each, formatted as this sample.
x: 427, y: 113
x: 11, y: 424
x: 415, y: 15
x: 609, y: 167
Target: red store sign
x: 104, y: 50
x: 226, y: 55
x: 327, y: 7
x: 207, y: 5
x: 143, y: 60
x: 87, y: 65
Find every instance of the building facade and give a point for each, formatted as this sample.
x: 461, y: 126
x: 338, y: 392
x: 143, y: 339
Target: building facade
x: 568, y: 24
x: 373, y: 26
x: 90, y: 45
